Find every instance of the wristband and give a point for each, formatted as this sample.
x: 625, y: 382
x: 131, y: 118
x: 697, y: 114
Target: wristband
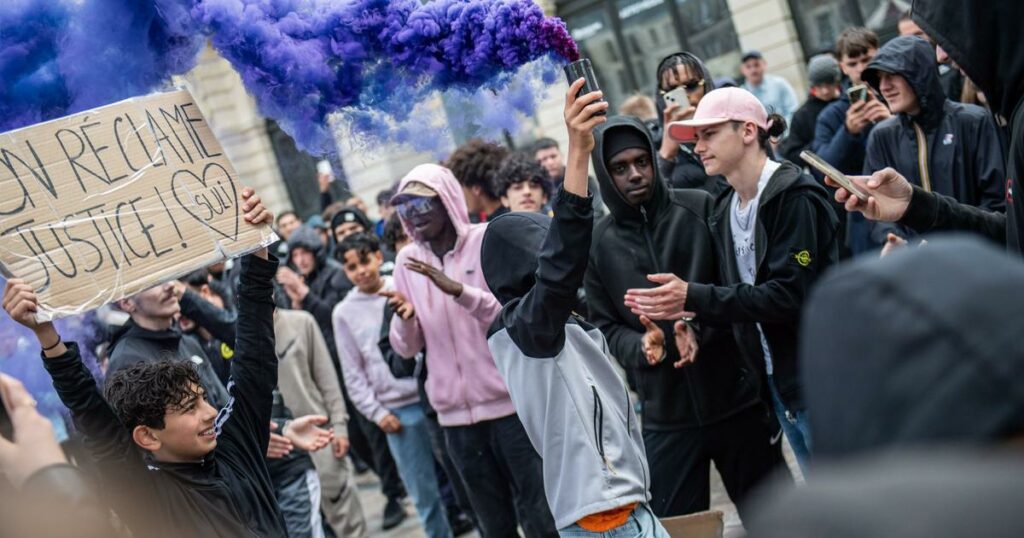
x: 45, y: 349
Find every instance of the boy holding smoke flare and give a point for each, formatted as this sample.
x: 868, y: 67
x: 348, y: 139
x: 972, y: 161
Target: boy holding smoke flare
x: 569, y: 396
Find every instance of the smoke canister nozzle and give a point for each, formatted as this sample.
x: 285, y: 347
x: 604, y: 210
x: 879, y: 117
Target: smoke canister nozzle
x: 583, y: 69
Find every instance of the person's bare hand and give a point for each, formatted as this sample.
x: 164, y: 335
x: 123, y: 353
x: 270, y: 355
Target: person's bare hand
x: 667, y: 301
x: 653, y: 342
x: 581, y: 116
x: 287, y: 277
x: 21, y: 304
x: 255, y: 212
x: 686, y: 343
x: 339, y: 447
x: 857, y: 117
x: 441, y: 280
x: 673, y: 112
x: 876, y: 111
x: 34, y: 445
x: 888, y: 193
x: 403, y: 308
x: 390, y: 424
x: 893, y: 243
x: 305, y: 433
x: 280, y: 446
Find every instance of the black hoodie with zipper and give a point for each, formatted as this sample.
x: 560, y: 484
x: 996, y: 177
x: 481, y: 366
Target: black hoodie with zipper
x: 984, y: 39
x: 327, y: 284
x: 795, y: 240
x: 960, y: 142
x: 668, y: 234
x: 228, y: 493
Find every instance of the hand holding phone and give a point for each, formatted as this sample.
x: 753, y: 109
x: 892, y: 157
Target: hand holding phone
x: 819, y: 164
x: 677, y: 96
x: 857, y: 93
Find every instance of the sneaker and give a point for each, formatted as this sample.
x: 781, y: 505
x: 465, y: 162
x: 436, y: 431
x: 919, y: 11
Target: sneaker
x: 394, y: 514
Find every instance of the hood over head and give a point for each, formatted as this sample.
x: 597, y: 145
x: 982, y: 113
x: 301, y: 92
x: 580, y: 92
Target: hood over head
x: 675, y: 58
x: 983, y: 38
x: 914, y: 59
x: 306, y: 237
x: 350, y: 214
x: 448, y: 189
x: 922, y: 347
x: 627, y: 129
x: 510, y: 252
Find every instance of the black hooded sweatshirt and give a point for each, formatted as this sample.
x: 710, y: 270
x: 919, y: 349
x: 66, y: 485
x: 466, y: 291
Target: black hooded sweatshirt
x: 686, y: 171
x: 229, y: 492
x: 668, y: 234
x: 918, y: 349
x: 795, y: 241
x: 983, y: 38
x: 965, y: 156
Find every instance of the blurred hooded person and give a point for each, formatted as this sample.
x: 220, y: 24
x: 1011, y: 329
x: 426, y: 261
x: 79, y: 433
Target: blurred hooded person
x: 910, y: 410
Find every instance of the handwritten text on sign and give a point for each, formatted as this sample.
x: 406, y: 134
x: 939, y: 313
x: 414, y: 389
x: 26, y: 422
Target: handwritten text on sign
x: 105, y: 203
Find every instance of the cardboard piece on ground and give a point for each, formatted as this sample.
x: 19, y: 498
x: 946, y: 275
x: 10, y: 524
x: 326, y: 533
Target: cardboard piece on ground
x: 700, y: 525
x: 103, y: 204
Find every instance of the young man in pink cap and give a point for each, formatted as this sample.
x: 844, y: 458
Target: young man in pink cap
x: 778, y: 226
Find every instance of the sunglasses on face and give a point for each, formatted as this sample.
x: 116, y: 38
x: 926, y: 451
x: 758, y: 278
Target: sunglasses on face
x: 690, y: 86
x: 415, y: 207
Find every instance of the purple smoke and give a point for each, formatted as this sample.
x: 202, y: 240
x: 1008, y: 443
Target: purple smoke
x: 303, y: 60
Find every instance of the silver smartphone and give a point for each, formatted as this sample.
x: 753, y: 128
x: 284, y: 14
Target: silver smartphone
x: 678, y: 96
x: 830, y: 171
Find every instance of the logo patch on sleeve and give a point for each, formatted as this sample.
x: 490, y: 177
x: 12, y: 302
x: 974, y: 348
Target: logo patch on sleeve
x: 802, y: 258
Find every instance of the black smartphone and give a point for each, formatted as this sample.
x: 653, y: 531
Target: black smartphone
x: 582, y: 68
x: 6, y: 427
x: 857, y: 93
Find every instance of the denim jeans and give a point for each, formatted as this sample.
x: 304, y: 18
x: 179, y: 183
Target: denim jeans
x: 641, y: 523
x: 504, y: 477
x: 795, y: 426
x: 411, y: 449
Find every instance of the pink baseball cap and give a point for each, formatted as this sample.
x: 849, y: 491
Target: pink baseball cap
x: 720, y: 106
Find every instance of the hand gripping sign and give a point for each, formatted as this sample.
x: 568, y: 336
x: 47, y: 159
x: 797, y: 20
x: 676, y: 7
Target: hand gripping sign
x: 106, y: 203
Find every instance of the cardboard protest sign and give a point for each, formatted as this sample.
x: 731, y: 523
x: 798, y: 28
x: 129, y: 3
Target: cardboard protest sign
x: 105, y: 203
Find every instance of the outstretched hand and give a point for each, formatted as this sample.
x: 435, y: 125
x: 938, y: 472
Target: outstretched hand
x: 667, y: 301
x: 256, y: 214
x: 441, y: 280
x: 888, y: 193
x: 305, y: 433
x: 21, y: 304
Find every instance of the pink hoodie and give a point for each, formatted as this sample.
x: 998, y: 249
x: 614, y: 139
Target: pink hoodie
x: 463, y: 382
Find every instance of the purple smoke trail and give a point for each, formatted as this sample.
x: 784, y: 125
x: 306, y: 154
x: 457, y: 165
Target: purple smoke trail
x: 302, y: 59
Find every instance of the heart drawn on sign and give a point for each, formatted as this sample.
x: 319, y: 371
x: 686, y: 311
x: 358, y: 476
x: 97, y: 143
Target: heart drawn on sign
x: 204, y: 200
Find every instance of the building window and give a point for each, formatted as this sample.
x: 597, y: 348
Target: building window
x: 595, y: 37
x: 710, y: 34
x: 640, y: 20
x: 820, y: 21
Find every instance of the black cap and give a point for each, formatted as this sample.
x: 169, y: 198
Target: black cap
x: 750, y: 55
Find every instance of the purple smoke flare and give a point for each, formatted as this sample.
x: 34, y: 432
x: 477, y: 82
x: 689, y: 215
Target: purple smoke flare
x: 303, y: 60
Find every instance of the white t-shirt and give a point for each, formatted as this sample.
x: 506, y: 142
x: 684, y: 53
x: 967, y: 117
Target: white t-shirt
x: 742, y: 223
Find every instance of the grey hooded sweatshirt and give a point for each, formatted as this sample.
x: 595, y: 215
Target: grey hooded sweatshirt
x: 569, y: 396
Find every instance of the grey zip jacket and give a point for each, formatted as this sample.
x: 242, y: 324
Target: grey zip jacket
x: 567, y: 393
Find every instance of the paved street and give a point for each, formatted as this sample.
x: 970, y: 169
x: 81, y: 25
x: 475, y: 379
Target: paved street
x: 373, y: 505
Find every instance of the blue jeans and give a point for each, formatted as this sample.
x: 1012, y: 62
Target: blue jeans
x: 415, y: 460
x: 641, y: 523
x: 795, y: 426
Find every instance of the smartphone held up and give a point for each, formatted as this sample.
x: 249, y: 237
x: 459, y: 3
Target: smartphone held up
x: 582, y: 68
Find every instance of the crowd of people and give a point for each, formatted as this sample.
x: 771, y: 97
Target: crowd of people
x: 518, y: 346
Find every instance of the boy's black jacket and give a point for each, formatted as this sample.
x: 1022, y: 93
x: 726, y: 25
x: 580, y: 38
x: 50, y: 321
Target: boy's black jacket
x: 229, y: 493
x: 669, y: 234
x: 795, y: 241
